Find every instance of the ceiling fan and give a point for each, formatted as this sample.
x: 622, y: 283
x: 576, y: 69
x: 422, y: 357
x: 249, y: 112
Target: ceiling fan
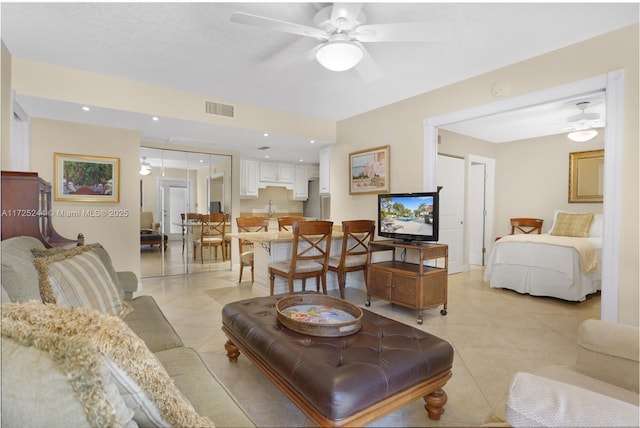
x: 342, y: 30
x: 582, y: 126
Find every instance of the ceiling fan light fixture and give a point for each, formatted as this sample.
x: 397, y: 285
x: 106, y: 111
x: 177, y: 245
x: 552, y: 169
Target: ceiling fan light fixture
x: 582, y: 136
x: 145, y: 167
x: 339, y: 55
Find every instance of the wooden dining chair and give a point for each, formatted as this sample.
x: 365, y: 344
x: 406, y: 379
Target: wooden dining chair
x: 526, y: 225
x: 212, y: 234
x: 285, y: 223
x: 184, y: 219
x: 249, y: 224
x: 309, y: 255
x: 356, y: 235
x: 227, y: 238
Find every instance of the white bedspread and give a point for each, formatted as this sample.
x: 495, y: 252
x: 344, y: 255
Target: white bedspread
x: 585, y: 248
x: 536, y: 265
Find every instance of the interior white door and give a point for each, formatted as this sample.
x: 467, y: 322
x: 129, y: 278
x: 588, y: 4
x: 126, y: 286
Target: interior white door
x: 450, y: 176
x: 173, y: 201
x: 476, y: 213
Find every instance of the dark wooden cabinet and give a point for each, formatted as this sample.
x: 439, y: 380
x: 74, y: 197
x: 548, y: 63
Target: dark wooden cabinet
x: 27, y: 209
x: 413, y: 285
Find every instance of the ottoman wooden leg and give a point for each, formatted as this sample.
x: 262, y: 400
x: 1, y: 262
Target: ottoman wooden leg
x: 232, y: 351
x: 435, y: 403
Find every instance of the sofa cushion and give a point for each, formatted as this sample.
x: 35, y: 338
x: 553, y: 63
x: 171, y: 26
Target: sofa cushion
x: 50, y: 379
x: 538, y: 401
x: 19, y: 276
x: 78, y: 277
x: 149, y: 323
x: 212, y: 399
x: 110, y: 338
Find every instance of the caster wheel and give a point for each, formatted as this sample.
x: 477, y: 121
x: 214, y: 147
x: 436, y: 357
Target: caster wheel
x: 420, y: 321
x: 443, y: 312
x: 367, y: 304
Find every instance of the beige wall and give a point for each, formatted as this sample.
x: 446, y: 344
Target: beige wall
x: 119, y: 235
x: 532, y: 175
x: 401, y: 126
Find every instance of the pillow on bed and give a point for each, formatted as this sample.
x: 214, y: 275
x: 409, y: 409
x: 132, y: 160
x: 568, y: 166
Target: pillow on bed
x: 576, y: 225
x: 595, y: 230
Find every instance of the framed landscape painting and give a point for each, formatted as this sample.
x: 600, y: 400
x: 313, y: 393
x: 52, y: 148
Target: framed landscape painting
x: 369, y: 171
x: 86, y: 178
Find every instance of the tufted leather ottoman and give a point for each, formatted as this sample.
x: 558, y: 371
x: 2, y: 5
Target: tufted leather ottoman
x: 342, y: 381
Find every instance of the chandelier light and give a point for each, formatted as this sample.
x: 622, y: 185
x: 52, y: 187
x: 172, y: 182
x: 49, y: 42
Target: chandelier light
x: 339, y: 53
x: 582, y: 136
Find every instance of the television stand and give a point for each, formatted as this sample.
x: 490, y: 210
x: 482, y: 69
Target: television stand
x: 407, y: 284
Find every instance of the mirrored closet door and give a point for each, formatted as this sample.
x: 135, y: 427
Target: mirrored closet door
x: 178, y: 191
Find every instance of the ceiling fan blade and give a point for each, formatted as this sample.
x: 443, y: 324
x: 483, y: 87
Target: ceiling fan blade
x: 368, y: 68
x: 278, y: 25
x: 403, y: 32
x: 346, y: 11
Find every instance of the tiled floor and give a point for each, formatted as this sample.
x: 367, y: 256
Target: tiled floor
x: 495, y: 333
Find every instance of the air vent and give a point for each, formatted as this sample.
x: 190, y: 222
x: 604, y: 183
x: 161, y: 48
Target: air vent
x: 264, y: 148
x: 218, y: 109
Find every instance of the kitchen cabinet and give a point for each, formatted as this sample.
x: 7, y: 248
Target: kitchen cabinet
x: 300, y: 183
x: 325, y: 171
x: 413, y: 285
x: 249, y: 178
x: 275, y: 172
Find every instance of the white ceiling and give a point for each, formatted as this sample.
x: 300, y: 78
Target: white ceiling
x: 194, y: 47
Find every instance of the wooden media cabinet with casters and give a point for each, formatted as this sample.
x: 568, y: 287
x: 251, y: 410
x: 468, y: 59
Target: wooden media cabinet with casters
x: 408, y: 283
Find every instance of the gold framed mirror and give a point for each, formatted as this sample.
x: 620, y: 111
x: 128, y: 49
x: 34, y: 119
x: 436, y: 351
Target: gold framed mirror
x: 586, y: 176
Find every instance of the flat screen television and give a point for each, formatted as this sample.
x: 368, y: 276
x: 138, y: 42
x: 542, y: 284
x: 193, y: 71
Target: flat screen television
x: 408, y: 217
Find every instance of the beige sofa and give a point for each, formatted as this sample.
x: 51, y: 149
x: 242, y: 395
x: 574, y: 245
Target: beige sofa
x: 599, y: 389
x: 30, y: 400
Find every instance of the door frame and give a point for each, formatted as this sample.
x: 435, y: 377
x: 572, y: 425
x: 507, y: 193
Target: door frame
x: 613, y: 85
x: 489, y: 202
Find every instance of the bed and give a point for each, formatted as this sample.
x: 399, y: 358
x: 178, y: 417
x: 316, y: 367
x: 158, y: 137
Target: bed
x: 564, y: 267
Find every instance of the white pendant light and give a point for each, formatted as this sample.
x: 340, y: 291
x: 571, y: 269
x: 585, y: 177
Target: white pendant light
x: 339, y: 53
x: 582, y: 136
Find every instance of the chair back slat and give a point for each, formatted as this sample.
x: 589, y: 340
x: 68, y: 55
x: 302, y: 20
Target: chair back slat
x: 311, y: 241
x: 286, y: 223
x: 526, y: 225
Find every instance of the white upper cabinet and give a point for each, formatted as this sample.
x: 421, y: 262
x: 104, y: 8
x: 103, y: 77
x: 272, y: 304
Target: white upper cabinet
x: 249, y: 178
x: 274, y: 172
x: 301, y: 183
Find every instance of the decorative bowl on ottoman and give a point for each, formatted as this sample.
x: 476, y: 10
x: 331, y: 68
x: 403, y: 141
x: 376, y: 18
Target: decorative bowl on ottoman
x: 319, y: 315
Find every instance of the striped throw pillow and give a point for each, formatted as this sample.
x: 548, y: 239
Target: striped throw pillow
x: 79, y: 278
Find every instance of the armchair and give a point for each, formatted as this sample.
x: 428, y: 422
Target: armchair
x: 147, y: 225
x: 599, y: 389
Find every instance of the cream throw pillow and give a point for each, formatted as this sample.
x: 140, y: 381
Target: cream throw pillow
x: 157, y: 401
x: 576, y: 225
x: 78, y: 277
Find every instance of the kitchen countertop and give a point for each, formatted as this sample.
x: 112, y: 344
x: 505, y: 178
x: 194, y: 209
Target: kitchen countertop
x: 276, y: 236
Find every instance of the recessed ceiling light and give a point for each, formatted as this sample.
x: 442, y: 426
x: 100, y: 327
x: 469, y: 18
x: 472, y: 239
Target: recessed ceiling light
x: 85, y: 108
x: 266, y: 134
x: 301, y: 160
x: 155, y: 118
x: 312, y: 141
x: 266, y: 156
